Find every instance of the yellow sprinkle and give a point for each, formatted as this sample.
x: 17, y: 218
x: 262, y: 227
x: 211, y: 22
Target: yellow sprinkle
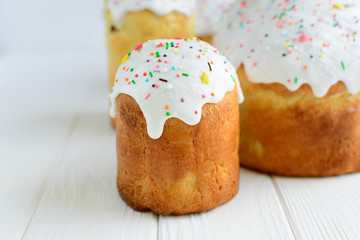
x: 205, y: 78
x: 203, y: 53
x: 176, y: 52
x: 345, y: 47
x: 321, y: 55
x: 193, y: 38
x: 106, y: 4
x: 286, y: 46
x: 338, y: 6
x: 125, y: 59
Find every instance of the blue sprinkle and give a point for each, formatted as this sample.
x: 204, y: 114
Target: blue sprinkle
x: 286, y: 34
x: 173, y: 67
x: 242, y: 26
x: 147, y: 80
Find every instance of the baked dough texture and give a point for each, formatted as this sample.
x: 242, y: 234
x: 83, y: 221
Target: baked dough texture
x: 296, y: 133
x: 188, y: 169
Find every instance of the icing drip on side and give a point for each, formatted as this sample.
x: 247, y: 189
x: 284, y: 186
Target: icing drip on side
x: 173, y: 78
x: 295, y: 42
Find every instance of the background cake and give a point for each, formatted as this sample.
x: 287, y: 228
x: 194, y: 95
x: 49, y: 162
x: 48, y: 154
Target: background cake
x: 298, y: 64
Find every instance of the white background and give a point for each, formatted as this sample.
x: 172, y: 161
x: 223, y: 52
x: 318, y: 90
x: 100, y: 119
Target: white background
x: 49, y: 26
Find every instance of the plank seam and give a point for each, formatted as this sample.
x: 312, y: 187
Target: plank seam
x: 158, y: 227
x: 295, y: 231
x: 52, y: 169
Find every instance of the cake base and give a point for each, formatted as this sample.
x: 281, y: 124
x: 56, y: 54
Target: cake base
x: 297, y: 134
x: 189, y: 169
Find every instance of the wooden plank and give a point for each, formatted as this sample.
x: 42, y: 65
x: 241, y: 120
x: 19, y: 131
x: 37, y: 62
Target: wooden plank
x: 82, y: 201
x: 255, y: 213
x: 323, y: 208
x: 39, y: 99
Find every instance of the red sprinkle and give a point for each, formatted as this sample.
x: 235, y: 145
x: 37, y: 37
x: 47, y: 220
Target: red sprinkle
x: 139, y: 46
x: 304, y: 38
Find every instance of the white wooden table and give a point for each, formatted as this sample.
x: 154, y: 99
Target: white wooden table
x: 58, y: 171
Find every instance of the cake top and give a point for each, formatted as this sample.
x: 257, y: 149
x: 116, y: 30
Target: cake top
x: 208, y: 15
x: 294, y: 42
x: 119, y: 8
x: 173, y: 78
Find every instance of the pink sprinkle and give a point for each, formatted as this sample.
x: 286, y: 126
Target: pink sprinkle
x: 178, y: 75
x: 178, y: 38
x: 129, y: 83
x: 156, y: 85
x: 157, y: 66
x: 139, y: 46
x: 289, y: 80
x: 147, y: 96
x: 199, y: 56
x: 290, y: 51
x: 161, y: 44
x: 165, y: 61
x: 255, y: 64
x: 203, y: 96
x: 246, y: 76
x: 304, y: 38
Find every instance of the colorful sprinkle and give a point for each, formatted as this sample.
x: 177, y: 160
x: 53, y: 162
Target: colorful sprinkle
x: 205, y: 78
x: 139, y: 46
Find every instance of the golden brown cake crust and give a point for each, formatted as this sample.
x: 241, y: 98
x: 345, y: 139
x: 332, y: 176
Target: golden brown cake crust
x: 297, y: 134
x: 139, y: 27
x: 188, y: 169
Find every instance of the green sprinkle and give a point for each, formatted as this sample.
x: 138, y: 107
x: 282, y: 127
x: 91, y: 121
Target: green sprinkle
x: 281, y: 15
x: 129, y: 53
x: 185, y: 74
x: 167, y: 114
x: 301, y: 26
x: 296, y: 79
x: 133, y: 81
x: 150, y: 74
x: 167, y: 45
x: 232, y: 78
x: 157, y: 54
x: 292, y: 46
x: 131, y: 70
x: 343, y: 66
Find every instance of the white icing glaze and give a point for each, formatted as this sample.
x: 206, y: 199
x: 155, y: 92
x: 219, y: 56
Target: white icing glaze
x: 144, y: 74
x: 208, y: 15
x: 119, y: 8
x: 295, y: 42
